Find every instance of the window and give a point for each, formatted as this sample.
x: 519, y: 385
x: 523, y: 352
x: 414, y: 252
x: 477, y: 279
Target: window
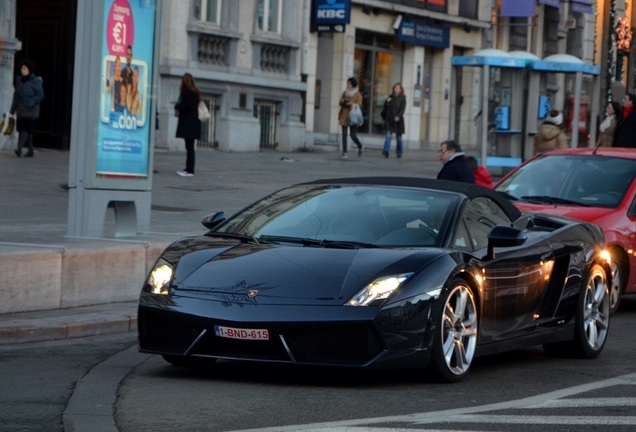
x: 481, y: 216
x: 207, y: 10
x: 377, y: 65
x: 469, y: 8
x: 269, y: 15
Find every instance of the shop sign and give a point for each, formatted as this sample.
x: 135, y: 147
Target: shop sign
x: 330, y: 15
x: 424, y: 34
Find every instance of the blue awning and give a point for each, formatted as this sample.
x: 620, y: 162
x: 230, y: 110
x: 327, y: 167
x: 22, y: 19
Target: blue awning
x: 490, y: 57
x: 564, y: 63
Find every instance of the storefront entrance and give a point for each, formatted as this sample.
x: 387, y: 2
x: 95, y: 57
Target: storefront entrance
x: 47, y: 32
x: 377, y: 66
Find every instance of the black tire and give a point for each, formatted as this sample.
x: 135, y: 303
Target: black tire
x: 189, y: 362
x: 592, y: 319
x: 619, y: 278
x: 455, y: 335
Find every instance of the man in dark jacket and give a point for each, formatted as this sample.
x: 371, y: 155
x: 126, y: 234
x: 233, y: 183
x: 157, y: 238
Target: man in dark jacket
x: 625, y: 132
x: 455, y: 167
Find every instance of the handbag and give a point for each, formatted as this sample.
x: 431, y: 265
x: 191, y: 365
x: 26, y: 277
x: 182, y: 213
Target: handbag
x: 7, y: 124
x: 204, y: 113
x: 355, y: 116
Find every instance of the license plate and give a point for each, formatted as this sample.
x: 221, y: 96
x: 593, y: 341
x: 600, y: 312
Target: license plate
x: 241, y: 333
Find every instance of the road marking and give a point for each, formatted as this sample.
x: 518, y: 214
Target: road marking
x: 555, y: 399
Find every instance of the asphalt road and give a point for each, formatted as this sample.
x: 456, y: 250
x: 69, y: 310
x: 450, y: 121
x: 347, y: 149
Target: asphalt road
x: 104, y: 384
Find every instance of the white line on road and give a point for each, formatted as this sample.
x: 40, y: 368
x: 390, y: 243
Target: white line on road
x: 470, y: 414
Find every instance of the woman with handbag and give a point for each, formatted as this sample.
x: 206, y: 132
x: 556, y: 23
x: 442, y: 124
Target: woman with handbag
x: 26, y: 106
x: 189, y: 125
x: 350, y: 98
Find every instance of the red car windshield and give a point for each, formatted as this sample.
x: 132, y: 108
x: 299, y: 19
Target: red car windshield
x: 584, y: 180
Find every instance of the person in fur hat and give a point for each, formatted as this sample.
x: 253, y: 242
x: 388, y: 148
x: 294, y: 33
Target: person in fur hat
x: 26, y: 106
x: 550, y: 135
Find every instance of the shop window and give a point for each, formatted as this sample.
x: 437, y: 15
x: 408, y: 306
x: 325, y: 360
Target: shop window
x: 207, y: 10
x: 269, y: 15
x: 377, y: 66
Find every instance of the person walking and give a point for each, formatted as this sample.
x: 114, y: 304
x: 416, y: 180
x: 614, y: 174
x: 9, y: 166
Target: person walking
x: 625, y: 132
x: 482, y: 176
x: 394, y: 122
x: 26, y: 106
x: 189, y: 125
x: 550, y: 135
x: 455, y: 167
x: 613, y: 114
x: 350, y: 97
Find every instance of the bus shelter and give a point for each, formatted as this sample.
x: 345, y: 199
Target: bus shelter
x: 516, y: 91
x: 498, y: 103
x: 581, y: 103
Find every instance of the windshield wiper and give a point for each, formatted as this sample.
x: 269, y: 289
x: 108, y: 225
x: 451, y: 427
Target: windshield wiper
x: 546, y: 199
x: 242, y: 237
x: 310, y: 242
x: 341, y: 244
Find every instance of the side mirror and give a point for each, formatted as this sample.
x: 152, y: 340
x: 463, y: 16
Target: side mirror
x: 504, y: 236
x: 212, y: 220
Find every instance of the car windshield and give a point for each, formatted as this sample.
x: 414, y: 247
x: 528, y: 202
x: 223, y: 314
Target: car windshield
x: 345, y: 217
x: 591, y: 181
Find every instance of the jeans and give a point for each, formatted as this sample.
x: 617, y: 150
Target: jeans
x: 387, y: 144
x: 25, y: 139
x: 354, y: 137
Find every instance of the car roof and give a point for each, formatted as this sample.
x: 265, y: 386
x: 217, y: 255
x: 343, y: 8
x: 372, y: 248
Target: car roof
x: 621, y: 152
x: 470, y: 190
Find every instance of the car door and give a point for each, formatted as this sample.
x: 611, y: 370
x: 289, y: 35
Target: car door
x: 514, y: 281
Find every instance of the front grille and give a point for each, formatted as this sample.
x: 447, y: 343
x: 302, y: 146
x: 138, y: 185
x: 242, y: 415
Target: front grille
x: 351, y: 345
x: 348, y: 345
x: 161, y: 332
x: 270, y: 350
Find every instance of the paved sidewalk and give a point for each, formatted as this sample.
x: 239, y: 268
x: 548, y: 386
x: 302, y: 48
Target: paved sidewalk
x: 35, y: 207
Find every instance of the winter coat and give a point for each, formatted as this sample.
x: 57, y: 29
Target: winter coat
x: 27, y: 97
x: 346, y: 103
x: 483, y: 177
x: 606, y: 136
x: 189, y: 125
x: 549, y: 137
x: 625, y: 132
x: 395, y: 107
x: 457, y: 169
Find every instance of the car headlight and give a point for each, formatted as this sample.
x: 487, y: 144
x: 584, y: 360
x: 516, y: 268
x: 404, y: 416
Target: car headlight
x: 378, y: 290
x: 159, y: 278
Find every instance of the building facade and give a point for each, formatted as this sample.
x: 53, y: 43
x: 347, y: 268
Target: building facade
x: 273, y: 77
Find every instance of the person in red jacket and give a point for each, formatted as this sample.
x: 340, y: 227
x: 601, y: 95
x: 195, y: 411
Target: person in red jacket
x: 482, y: 176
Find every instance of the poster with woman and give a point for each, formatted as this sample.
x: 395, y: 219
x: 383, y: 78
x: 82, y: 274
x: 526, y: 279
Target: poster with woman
x: 126, y: 73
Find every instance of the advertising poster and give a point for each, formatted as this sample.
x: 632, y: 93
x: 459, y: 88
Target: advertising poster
x: 123, y: 131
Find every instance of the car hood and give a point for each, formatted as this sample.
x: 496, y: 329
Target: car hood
x: 284, y: 275
x: 587, y: 214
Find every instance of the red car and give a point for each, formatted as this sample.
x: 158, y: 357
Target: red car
x: 591, y: 184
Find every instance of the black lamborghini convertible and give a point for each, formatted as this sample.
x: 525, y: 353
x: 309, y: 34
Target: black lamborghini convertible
x: 382, y: 272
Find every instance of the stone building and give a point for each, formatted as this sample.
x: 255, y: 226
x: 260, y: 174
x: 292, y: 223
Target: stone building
x: 273, y: 72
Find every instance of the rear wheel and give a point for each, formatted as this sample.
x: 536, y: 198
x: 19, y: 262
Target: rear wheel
x: 592, y: 319
x: 455, y: 338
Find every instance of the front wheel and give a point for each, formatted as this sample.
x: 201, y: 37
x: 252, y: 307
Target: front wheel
x: 455, y: 337
x: 618, y: 283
